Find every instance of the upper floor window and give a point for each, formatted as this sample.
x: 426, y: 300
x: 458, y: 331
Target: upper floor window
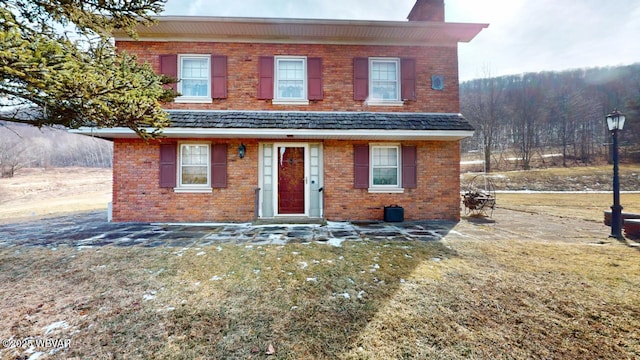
x: 290, y: 78
x: 384, y: 83
x: 194, y: 72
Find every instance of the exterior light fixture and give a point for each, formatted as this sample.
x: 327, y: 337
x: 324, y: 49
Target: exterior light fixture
x: 615, y: 123
x: 241, y: 150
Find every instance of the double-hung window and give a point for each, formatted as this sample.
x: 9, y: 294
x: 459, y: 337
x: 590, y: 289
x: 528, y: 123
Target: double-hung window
x: 194, y: 167
x: 384, y: 79
x: 290, y: 79
x: 194, y: 72
x: 385, y: 167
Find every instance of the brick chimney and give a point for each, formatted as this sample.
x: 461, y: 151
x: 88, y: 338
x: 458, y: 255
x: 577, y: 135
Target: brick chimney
x: 427, y: 10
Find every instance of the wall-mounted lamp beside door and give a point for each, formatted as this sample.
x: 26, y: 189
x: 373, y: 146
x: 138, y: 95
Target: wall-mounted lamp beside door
x: 241, y: 150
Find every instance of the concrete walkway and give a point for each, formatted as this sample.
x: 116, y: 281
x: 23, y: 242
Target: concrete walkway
x: 92, y: 230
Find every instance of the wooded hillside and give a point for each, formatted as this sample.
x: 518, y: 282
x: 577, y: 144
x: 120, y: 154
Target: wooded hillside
x: 562, y: 112
x: 28, y: 146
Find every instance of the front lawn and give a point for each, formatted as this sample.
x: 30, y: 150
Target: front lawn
x: 464, y: 297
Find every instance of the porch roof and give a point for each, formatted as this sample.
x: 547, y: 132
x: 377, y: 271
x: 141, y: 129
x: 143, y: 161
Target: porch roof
x: 306, y: 125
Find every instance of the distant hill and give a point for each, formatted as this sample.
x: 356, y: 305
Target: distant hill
x: 51, y: 147
x: 539, y: 113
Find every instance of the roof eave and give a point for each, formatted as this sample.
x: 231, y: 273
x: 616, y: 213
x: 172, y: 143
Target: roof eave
x: 310, y: 134
x: 314, y: 31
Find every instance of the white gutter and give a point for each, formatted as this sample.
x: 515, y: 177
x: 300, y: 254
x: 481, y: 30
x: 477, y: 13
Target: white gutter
x: 176, y: 132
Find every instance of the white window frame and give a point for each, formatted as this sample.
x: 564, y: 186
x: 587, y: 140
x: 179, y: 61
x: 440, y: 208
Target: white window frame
x: 385, y: 102
x: 395, y: 188
x: 194, y: 99
x: 193, y: 187
x: 304, y: 99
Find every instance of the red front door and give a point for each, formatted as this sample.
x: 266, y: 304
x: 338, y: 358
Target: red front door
x: 290, y: 180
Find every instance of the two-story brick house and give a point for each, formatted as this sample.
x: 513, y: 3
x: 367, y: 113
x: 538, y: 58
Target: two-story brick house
x: 296, y: 117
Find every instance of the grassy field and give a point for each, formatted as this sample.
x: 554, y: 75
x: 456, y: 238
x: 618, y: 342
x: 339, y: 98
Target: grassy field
x: 456, y: 299
x: 486, y: 291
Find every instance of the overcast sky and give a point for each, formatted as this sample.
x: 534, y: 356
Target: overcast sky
x: 523, y: 35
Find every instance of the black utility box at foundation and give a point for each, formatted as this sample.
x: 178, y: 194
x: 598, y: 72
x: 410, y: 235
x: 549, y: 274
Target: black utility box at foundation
x: 393, y: 213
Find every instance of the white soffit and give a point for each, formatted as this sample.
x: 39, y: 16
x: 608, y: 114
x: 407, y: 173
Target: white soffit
x: 190, y: 133
x: 265, y: 30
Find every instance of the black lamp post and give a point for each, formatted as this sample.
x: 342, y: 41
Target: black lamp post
x: 615, y: 122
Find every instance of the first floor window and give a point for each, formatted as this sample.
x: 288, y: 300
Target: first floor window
x: 194, y: 168
x: 291, y: 78
x: 384, y: 79
x: 385, y: 166
x: 195, y: 76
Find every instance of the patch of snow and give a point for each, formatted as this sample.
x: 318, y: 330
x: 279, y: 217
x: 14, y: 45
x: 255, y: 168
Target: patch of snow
x: 471, y: 162
x: 218, y: 249
x: 435, y: 259
x: 402, y: 281
x: 361, y: 294
x: 197, y: 283
x: 344, y: 295
x: 256, y: 271
x: 303, y: 264
x: 36, y: 355
x: 56, y: 325
x: 216, y: 278
x: 201, y: 253
x: 294, y: 308
x: 150, y: 296
x: 312, y: 279
x: 335, y: 242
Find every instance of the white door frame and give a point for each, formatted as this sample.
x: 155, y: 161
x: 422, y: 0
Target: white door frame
x: 307, y: 167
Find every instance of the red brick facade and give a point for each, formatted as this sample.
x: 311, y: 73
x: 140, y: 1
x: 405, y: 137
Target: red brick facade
x: 138, y: 197
x: 337, y: 63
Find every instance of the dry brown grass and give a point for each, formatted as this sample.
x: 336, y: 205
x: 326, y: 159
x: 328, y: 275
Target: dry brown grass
x: 48, y: 192
x: 568, y: 205
x: 489, y: 290
x: 582, y: 178
x: 481, y: 293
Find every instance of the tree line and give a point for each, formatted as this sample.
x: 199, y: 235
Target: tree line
x: 27, y: 146
x: 564, y: 112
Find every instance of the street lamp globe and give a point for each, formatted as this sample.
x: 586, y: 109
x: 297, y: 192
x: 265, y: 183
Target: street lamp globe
x: 615, y: 120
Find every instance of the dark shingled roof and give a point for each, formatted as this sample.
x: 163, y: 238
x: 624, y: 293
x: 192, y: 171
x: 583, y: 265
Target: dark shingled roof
x: 318, y: 120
